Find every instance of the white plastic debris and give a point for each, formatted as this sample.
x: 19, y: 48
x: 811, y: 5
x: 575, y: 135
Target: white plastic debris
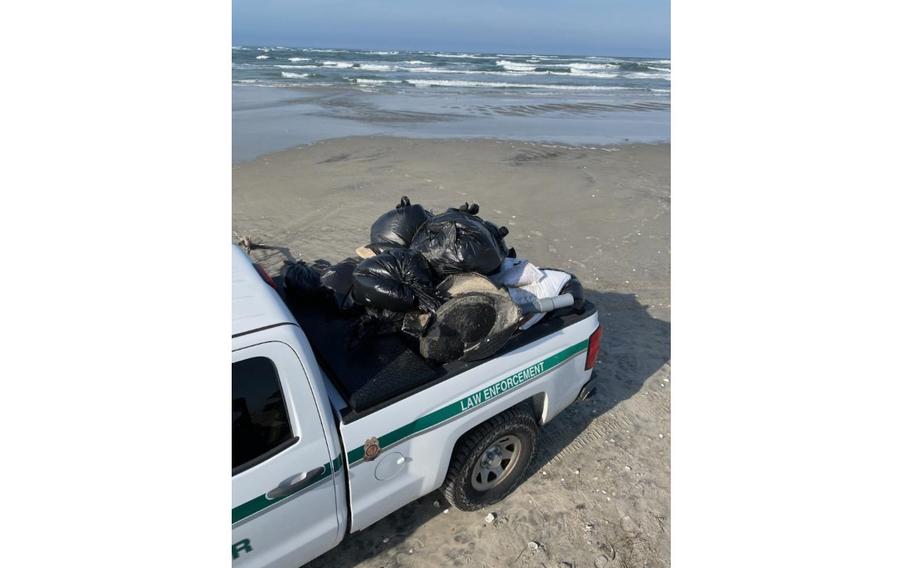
x: 516, y: 272
x: 547, y: 287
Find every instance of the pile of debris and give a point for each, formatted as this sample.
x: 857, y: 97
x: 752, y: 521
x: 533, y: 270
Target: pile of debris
x: 447, y: 280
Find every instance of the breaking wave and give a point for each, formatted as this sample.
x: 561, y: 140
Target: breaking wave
x: 302, y: 67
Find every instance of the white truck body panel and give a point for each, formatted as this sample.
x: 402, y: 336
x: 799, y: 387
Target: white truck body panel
x: 422, y: 429
x: 254, y: 305
x: 293, y: 530
x: 287, y: 531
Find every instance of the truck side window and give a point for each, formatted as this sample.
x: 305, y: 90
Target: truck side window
x: 259, y: 415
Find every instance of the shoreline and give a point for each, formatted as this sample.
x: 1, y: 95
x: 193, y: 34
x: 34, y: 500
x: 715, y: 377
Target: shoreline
x: 607, y: 147
x: 267, y: 120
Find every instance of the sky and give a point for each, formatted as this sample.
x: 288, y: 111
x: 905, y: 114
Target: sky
x: 573, y: 27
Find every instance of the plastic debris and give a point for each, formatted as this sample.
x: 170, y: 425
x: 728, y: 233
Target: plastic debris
x: 516, y: 272
x: 399, y: 225
x: 457, y: 241
x: 373, y: 249
x: 398, y: 280
x: 338, y: 280
x: 302, y: 280
x: 547, y: 287
x: 574, y: 287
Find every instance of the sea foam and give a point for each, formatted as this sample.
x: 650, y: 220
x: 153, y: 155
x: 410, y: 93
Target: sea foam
x: 371, y: 67
x: 514, y: 66
x: 501, y: 85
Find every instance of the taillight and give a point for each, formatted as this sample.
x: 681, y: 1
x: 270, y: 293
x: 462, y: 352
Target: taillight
x: 266, y: 277
x: 593, y: 347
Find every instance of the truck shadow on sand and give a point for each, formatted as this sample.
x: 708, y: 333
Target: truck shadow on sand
x: 634, y: 347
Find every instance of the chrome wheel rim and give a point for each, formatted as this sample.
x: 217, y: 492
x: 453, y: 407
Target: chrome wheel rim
x: 496, y: 463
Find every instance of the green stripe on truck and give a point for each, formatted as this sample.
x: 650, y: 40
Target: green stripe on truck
x: 253, y: 506
x: 478, y: 398
x: 430, y: 420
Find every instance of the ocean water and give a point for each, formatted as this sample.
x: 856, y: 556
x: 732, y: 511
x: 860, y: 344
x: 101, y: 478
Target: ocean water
x: 285, y: 96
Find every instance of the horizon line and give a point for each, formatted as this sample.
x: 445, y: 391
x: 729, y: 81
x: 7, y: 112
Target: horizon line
x: 334, y: 48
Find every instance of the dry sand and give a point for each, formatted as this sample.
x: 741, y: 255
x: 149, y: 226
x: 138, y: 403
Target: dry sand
x: 599, y: 490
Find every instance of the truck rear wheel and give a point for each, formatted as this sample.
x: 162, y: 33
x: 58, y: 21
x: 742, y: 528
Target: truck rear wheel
x: 491, y: 460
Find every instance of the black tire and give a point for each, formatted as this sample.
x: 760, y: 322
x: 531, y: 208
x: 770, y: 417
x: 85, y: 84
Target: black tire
x: 516, y: 424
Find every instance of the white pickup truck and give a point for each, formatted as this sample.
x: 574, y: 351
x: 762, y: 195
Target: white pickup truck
x: 329, y: 437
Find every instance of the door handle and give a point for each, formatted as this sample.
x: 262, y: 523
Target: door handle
x: 295, y: 483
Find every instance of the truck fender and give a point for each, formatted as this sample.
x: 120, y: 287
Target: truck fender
x: 536, y: 403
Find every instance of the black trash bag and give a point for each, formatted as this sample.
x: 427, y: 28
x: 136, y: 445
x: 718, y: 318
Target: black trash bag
x: 374, y: 323
x: 499, y: 233
x: 398, y: 226
x: 472, y: 209
x: 302, y: 280
x: 457, y: 241
x: 379, y: 248
x: 398, y: 280
x: 574, y: 287
x: 338, y: 280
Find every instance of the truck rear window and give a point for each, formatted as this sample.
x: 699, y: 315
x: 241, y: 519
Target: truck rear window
x: 259, y: 414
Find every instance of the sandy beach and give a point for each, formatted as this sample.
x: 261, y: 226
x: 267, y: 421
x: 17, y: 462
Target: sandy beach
x: 599, y: 490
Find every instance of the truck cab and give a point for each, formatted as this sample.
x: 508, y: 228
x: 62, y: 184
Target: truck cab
x: 288, y: 482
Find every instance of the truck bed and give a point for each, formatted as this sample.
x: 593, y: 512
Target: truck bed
x: 374, y: 373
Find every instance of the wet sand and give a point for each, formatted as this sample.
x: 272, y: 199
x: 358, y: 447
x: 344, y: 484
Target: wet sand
x: 599, y: 490
x: 268, y: 120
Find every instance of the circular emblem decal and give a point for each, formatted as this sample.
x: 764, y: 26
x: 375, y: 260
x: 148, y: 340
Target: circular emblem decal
x: 370, y: 449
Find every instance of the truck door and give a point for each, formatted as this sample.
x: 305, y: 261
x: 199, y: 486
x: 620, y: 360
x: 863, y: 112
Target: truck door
x: 284, y: 507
